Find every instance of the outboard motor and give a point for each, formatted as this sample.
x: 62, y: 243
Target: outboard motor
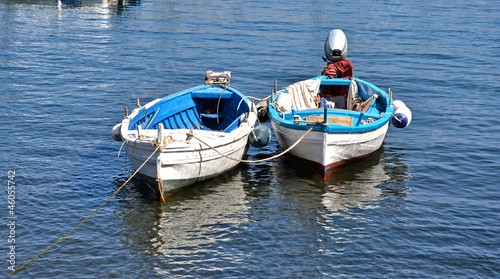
x: 336, y: 46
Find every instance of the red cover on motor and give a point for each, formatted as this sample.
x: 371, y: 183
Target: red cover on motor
x: 340, y: 69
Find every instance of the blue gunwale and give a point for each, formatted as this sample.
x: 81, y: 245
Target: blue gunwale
x: 380, y: 110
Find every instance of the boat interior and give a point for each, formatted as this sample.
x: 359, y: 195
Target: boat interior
x: 209, y: 107
x: 333, y: 98
x: 339, y: 94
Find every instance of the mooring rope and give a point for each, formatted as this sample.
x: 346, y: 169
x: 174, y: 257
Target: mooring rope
x: 256, y: 161
x: 119, y: 151
x: 90, y: 214
x: 218, y: 103
x: 259, y: 99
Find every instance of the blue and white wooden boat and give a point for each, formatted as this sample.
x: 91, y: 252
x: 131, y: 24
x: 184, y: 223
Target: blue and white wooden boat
x: 216, y: 114
x: 349, y: 120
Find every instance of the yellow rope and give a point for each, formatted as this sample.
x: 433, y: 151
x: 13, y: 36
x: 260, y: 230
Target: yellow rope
x: 256, y: 161
x: 89, y: 215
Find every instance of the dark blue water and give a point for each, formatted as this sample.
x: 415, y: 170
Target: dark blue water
x: 426, y: 205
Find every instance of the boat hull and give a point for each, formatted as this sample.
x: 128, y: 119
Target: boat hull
x: 327, y: 152
x: 182, y: 164
x: 335, y: 136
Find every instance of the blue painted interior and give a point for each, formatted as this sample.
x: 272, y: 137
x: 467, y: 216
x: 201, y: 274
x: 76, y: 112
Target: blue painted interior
x: 207, y: 107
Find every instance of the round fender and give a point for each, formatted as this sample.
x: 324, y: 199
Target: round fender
x: 402, y: 115
x: 260, y: 137
x: 116, y: 132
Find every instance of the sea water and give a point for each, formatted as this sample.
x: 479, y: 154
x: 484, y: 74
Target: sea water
x: 426, y: 205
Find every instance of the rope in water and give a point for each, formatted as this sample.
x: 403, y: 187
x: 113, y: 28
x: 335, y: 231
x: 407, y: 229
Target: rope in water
x: 90, y: 214
x: 256, y: 161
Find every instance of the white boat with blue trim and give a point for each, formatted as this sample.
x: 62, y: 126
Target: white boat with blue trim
x: 334, y: 119
x: 201, y: 132
x: 339, y: 135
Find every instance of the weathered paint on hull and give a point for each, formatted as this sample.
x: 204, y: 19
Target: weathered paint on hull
x: 178, y: 168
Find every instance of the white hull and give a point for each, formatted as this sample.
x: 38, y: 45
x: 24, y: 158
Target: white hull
x: 327, y: 151
x: 183, y: 162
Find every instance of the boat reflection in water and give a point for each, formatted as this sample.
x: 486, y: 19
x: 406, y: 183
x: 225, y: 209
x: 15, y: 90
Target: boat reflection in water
x: 355, y: 189
x: 184, y: 231
x: 360, y: 185
x: 341, y: 215
x: 227, y: 224
x: 207, y: 217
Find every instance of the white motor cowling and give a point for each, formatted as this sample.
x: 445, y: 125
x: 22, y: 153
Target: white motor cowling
x: 402, y: 115
x: 336, y: 45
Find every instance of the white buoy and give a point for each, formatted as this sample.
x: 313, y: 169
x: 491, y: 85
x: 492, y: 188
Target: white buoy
x: 402, y: 115
x: 116, y: 132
